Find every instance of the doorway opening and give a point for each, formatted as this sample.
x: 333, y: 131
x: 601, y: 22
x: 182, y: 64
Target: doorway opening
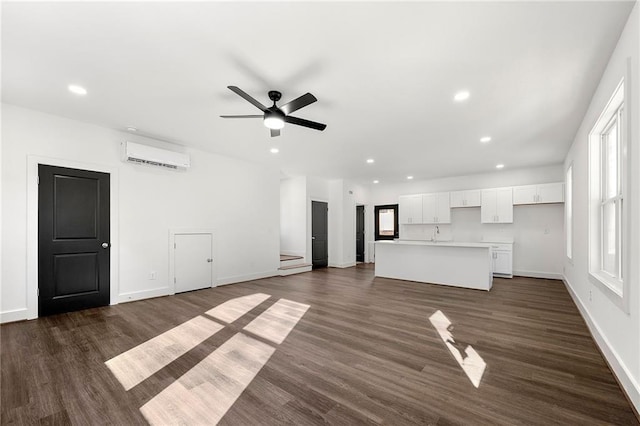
x: 360, y: 234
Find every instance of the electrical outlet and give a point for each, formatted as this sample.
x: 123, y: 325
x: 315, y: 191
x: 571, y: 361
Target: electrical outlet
x: 152, y: 275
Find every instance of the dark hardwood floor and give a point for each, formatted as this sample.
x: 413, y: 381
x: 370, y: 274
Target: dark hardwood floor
x: 364, y: 352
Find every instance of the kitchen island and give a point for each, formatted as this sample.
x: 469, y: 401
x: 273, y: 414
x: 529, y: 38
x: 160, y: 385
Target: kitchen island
x: 450, y: 263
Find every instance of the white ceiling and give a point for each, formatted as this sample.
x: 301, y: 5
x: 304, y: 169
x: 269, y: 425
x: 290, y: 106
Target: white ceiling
x: 384, y: 75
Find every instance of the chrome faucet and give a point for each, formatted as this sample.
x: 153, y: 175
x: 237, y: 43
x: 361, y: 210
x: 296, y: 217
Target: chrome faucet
x: 436, y: 231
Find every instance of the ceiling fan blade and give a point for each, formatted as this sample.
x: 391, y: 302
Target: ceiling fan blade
x: 275, y: 132
x: 246, y: 97
x: 242, y: 116
x: 298, y: 103
x: 305, y: 123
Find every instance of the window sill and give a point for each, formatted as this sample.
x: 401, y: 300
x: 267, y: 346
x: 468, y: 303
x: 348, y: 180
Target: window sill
x: 611, y: 287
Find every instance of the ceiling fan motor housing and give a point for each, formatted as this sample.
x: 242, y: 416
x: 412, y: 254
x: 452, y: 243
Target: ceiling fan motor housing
x: 274, y: 95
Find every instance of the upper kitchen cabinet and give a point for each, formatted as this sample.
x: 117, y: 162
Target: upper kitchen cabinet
x: 410, y: 209
x: 471, y: 198
x: 435, y: 208
x: 539, y: 194
x: 497, y: 205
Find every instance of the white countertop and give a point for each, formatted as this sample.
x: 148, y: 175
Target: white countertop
x: 434, y: 243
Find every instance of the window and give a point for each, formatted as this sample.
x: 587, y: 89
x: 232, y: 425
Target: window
x: 386, y: 222
x: 568, y: 208
x: 607, y: 215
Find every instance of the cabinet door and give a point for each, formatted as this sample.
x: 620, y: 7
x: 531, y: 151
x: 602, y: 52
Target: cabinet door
x: 457, y: 198
x: 502, y: 262
x: 488, y: 207
x: 525, y: 194
x: 551, y: 193
x: 410, y: 209
x: 404, y: 209
x: 429, y: 210
x: 443, y: 211
x: 472, y: 198
x: 504, y: 205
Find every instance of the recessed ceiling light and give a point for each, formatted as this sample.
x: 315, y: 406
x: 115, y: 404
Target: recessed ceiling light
x: 370, y: 160
x: 409, y: 177
x: 132, y: 129
x: 485, y: 139
x: 78, y: 90
x: 461, y: 96
x: 274, y: 150
x: 376, y: 181
x: 500, y: 166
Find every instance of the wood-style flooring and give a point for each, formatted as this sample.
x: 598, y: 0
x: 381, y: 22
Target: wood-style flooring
x: 364, y: 352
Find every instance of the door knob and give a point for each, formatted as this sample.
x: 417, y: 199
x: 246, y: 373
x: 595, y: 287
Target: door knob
x: 105, y: 245
x: 313, y: 238
x: 209, y: 260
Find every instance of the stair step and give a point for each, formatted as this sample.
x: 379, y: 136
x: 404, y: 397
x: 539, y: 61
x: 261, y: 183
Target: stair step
x: 286, y: 257
x: 300, y: 265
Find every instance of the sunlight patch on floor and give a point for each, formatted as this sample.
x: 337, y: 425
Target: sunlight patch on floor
x: 233, y: 309
x: 205, y: 393
x: 276, y: 323
x: 139, y: 363
x: 471, y: 362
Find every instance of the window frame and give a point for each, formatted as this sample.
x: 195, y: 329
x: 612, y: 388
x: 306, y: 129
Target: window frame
x: 396, y: 226
x: 568, y: 209
x: 615, y: 286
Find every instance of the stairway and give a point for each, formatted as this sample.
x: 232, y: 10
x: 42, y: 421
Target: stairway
x: 290, y: 265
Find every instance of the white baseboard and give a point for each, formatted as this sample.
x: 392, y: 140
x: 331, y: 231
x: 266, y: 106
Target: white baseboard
x: 249, y: 277
x: 536, y: 274
x: 341, y: 265
x: 143, y: 294
x: 629, y: 384
x: 14, y: 315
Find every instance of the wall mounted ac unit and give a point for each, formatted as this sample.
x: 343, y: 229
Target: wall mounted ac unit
x: 145, y: 154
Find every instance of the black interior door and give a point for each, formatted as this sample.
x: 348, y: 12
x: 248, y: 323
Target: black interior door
x: 319, y: 233
x: 359, y: 233
x: 73, y: 239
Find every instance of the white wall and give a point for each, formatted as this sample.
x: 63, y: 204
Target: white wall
x: 293, y: 216
x: 238, y: 200
x: 537, y: 230
x: 616, y: 331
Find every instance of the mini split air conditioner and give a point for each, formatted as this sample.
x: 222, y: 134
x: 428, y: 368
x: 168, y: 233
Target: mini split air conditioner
x: 145, y: 154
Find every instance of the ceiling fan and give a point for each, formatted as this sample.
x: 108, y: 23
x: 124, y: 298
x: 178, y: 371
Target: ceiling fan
x: 274, y: 117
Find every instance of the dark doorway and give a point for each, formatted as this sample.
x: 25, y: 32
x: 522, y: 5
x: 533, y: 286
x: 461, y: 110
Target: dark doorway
x: 386, y: 222
x: 319, y: 233
x: 73, y: 239
x: 359, y: 233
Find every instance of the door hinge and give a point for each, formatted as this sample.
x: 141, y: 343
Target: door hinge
x: 174, y: 280
x: 38, y: 292
x: 38, y: 178
x: 174, y: 246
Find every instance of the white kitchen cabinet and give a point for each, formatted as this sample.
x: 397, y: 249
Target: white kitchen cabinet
x: 470, y: 198
x: 497, y: 205
x: 410, y: 209
x: 502, y: 260
x: 538, y: 194
x: 435, y: 208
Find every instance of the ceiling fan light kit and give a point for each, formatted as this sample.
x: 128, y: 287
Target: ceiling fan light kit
x: 274, y: 117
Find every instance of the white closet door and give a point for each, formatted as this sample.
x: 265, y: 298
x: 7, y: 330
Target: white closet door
x: 193, y: 262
